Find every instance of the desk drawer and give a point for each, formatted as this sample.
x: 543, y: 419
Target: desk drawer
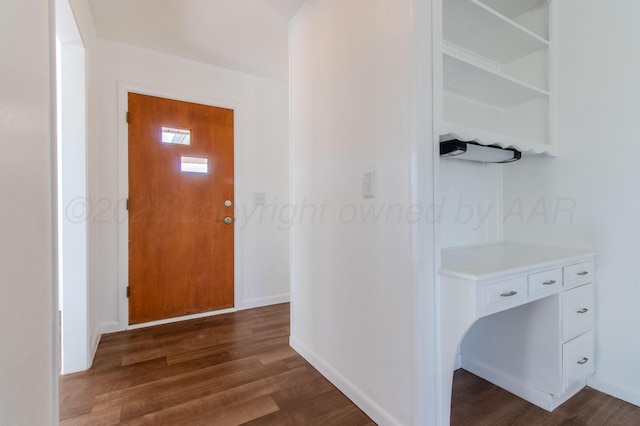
x: 577, y: 359
x: 578, y: 274
x: 545, y: 283
x: 577, y: 311
x: 503, y: 295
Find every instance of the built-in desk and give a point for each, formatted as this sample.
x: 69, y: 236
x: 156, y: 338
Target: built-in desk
x: 522, y: 317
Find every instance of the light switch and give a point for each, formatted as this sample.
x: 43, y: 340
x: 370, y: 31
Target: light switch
x: 259, y: 199
x: 369, y: 184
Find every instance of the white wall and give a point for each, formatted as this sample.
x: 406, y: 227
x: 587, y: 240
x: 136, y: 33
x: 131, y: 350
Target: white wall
x: 262, y: 144
x: 470, y: 202
x: 76, y: 26
x: 28, y: 381
x: 83, y: 21
x: 358, y: 106
x: 599, y: 89
x: 73, y: 288
x: 72, y: 177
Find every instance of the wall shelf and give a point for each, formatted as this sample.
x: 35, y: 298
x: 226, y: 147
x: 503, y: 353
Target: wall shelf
x: 485, y: 85
x: 512, y: 9
x: 496, y: 73
x: 475, y: 26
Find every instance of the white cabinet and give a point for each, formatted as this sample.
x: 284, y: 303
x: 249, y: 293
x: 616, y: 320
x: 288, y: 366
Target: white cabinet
x: 578, y: 307
x: 495, y: 62
x: 523, y: 317
x: 501, y: 295
x: 545, y: 283
x: 578, y: 274
x: 578, y: 360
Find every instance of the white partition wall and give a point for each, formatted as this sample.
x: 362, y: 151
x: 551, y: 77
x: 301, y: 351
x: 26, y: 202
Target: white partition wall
x: 28, y: 374
x: 73, y: 285
x: 362, y: 279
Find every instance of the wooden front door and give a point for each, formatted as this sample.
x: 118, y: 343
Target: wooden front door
x: 180, y: 192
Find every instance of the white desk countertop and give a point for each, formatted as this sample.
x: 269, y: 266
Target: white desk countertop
x: 491, y: 260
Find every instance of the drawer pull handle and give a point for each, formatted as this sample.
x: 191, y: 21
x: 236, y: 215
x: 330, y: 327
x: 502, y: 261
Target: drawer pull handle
x: 583, y: 311
x: 550, y: 282
x: 583, y: 361
x: 509, y: 294
x: 583, y: 273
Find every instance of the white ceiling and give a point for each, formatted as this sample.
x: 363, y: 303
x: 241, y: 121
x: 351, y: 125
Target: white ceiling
x: 244, y: 35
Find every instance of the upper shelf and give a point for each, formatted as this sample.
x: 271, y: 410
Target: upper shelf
x: 477, y: 27
x: 513, y: 9
x: 483, y: 84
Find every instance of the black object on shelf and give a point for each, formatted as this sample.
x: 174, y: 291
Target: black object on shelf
x: 473, y: 151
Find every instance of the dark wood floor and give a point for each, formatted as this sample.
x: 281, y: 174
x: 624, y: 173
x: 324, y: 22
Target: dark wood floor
x: 229, y: 369
x: 476, y: 402
x: 238, y: 369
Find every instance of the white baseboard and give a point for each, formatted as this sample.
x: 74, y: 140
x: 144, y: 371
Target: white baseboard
x: 519, y: 388
x: 105, y: 327
x: 108, y: 327
x: 265, y: 301
x: 355, y: 394
x: 625, y: 393
x: 94, y: 348
x: 245, y: 304
x: 177, y: 319
x: 458, y: 363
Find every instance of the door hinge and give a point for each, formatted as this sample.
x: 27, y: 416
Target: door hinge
x: 128, y: 291
x: 127, y: 206
x: 128, y: 117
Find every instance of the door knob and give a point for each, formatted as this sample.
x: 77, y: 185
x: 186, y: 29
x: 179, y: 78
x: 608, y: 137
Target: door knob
x: 228, y: 220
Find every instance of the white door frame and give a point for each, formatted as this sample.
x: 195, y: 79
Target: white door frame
x: 123, y: 193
